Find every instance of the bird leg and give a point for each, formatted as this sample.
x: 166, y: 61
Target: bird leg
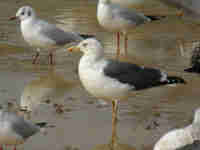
x: 126, y: 44
x: 114, y: 123
x: 181, y: 47
x: 51, y: 58
x: 118, y: 44
x: 15, y: 148
x: 1, y: 147
x: 35, y: 58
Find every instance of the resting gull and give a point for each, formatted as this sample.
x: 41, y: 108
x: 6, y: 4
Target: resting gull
x: 113, y: 80
x: 40, y: 34
x: 14, y: 130
x: 120, y: 20
x: 187, y: 138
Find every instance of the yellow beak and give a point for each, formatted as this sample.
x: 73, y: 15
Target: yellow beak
x: 73, y: 49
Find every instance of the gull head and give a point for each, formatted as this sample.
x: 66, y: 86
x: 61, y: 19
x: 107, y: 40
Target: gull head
x: 90, y: 47
x: 23, y: 13
x: 197, y: 116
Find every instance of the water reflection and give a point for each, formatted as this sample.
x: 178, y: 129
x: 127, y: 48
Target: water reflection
x: 117, y: 145
x: 49, y: 88
x: 190, y: 7
x: 154, y: 45
x: 138, y: 4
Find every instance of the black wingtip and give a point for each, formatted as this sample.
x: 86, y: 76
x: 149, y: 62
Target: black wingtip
x: 154, y: 18
x: 189, y: 70
x: 41, y: 124
x: 174, y: 80
x: 192, y: 70
x: 86, y: 36
x: 23, y: 110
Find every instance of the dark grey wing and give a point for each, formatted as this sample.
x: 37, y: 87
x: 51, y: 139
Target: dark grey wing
x: 134, y: 75
x: 194, y: 146
x: 136, y: 18
x: 20, y: 126
x: 59, y: 36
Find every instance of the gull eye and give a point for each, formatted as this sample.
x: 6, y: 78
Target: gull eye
x: 22, y: 13
x: 85, y: 44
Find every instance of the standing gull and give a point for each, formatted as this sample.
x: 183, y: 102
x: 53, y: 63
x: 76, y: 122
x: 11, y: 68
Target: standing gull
x: 14, y: 130
x: 39, y: 33
x: 187, y: 138
x: 113, y: 80
x: 120, y: 20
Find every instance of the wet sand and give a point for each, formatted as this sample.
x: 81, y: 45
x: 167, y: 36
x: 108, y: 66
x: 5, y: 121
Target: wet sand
x: 82, y: 122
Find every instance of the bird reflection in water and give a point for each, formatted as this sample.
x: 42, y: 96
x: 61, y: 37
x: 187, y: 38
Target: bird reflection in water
x: 50, y: 88
x: 115, y: 143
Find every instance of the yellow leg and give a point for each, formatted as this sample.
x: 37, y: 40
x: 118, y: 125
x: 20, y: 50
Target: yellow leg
x: 114, y: 123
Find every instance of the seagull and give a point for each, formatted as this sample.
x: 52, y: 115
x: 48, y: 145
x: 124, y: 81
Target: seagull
x: 14, y: 130
x: 119, y: 20
x: 40, y: 34
x: 195, y: 61
x: 113, y: 80
x: 187, y: 138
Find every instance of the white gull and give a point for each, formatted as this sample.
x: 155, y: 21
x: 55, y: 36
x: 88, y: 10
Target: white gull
x: 113, y: 80
x: 15, y: 130
x: 40, y: 34
x: 187, y: 138
x: 119, y: 20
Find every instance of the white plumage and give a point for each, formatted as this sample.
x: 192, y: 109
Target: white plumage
x: 115, y: 18
x: 179, y: 138
x: 41, y: 34
x: 113, y: 80
x: 15, y: 130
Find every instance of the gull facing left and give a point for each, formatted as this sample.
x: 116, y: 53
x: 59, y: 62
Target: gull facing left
x: 113, y: 80
x: 40, y: 34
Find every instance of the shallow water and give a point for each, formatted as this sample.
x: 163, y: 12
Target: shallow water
x: 81, y: 121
